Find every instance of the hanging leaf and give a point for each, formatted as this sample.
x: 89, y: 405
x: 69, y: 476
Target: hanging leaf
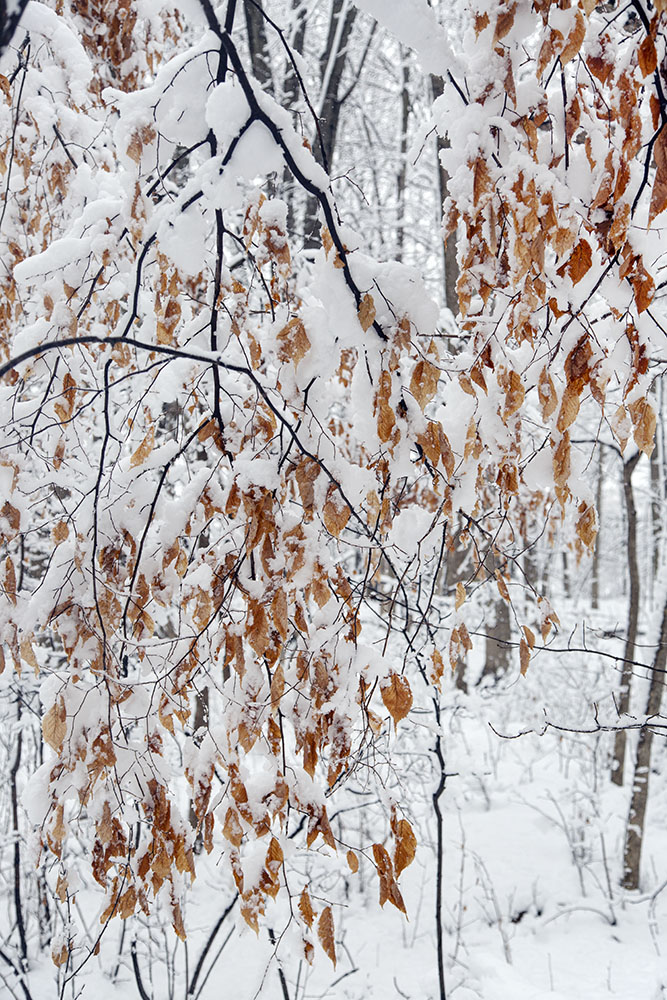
x: 325, y: 932
x: 144, y: 449
x: 54, y: 725
x: 397, y: 696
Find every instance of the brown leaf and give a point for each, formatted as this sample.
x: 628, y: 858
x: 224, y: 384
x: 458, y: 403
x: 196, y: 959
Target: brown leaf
x: 336, y: 512
x: 293, y: 342
x: 397, y: 696
x: 460, y: 595
x: 353, y: 862
x: 524, y: 656
x: 54, y: 725
x: 232, y: 829
x: 144, y: 449
x: 586, y: 525
x: 366, y: 315
x: 406, y: 846
x: 644, y: 423
x: 279, y: 612
x: 659, y: 193
x: 306, y: 907
x: 10, y: 580
x: 424, y: 382
x: 257, y: 628
x: 547, y: 394
x: 561, y: 461
x: 580, y: 261
x: 504, y: 22
x: 647, y: 56
x: 569, y: 408
x: 325, y: 932
x: 514, y: 394
x: 502, y: 586
x: 530, y: 636
x: 574, y: 40
x: 389, y: 890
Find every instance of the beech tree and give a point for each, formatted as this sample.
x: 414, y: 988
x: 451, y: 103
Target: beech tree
x: 233, y: 468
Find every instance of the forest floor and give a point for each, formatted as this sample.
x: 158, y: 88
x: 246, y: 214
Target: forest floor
x: 533, y: 842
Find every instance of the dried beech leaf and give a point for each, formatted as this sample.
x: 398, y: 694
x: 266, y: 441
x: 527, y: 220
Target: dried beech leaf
x: 644, y: 424
x: 366, y: 315
x: 325, y: 932
x: 397, y: 696
x: 306, y: 907
x: 424, y: 382
x: 647, y: 56
x: 406, y: 846
x: 54, y: 725
x: 352, y: 862
x: 659, y: 192
x: 524, y: 656
x: 144, y: 449
x: 293, y: 342
x: 460, y: 595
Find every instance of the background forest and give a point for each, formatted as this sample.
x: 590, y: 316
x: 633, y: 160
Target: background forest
x: 333, y: 573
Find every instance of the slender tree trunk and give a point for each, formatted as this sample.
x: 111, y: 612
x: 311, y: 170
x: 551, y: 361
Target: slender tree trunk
x: 403, y: 167
x: 257, y: 44
x: 450, y: 265
x: 618, y: 759
x: 634, y: 833
x: 498, y: 649
x: 332, y: 66
x: 595, y: 583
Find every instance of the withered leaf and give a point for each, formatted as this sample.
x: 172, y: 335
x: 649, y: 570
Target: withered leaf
x: 460, y: 595
x: 54, y: 725
x: 659, y: 193
x: 325, y: 932
x: 144, y: 449
x: 366, y: 313
x: 406, y: 846
x: 397, y: 696
x: 293, y: 342
x: 524, y: 656
x: 424, y: 382
x: 352, y: 862
x: 306, y: 907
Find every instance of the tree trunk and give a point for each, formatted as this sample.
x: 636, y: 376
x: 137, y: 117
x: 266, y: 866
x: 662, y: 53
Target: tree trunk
x: 403, y: 163
x: 332, y: 65
x: 623, y: 704
x: 498, y: 649
x: 595, y: 583
x: 634, y: 833
x: 450, y: 265
x: 257, y: 44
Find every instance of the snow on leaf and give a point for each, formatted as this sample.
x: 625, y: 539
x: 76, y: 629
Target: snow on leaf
x: 293, y: 342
